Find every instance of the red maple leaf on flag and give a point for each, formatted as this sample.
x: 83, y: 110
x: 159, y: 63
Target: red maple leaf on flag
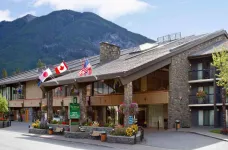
x: 61, y: 68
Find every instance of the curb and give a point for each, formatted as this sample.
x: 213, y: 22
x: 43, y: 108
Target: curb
x: 205, y: 135
x: 70, y: 141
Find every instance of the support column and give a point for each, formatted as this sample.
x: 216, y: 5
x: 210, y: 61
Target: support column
x: 128, y: 93
x: 50, y: 105
x: 82, y: 102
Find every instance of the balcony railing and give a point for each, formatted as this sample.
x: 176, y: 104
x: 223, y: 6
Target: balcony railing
x: 209, y: 99
x: 201, y: 74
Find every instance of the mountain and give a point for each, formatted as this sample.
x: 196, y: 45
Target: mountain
x: 59, y: 35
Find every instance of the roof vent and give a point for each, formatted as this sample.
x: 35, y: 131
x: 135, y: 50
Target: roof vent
x: 169, y: 38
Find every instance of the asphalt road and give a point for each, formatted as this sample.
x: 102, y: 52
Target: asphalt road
x: 17, y: 141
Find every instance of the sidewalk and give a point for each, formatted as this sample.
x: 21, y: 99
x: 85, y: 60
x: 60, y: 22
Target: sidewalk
x: 94, y: 142
x: 204, y: 131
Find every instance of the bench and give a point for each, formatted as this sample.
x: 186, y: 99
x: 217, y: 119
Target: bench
x: 58, y: 130
x: 96, y: 134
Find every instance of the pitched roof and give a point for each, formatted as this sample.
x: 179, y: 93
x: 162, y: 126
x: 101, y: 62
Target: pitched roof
x: 33, y: 74
x: 134, y: 61
x: 209, y: 50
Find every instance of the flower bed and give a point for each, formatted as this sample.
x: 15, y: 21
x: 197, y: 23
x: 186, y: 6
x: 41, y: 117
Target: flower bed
x: 65, y: 127
x: 91, y: 128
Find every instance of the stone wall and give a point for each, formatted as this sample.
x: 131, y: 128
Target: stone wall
x: 124, y: 139
x: 38, y: 131
x: 77, y: 135
x: 4, y: 124
x: 179, y: 88
x: 90, y: 129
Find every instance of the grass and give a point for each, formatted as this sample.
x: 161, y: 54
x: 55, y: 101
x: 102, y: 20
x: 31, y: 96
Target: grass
x: 218, y: 131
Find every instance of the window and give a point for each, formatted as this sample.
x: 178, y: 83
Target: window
x: 137, y: 85
x: 200, y: 70
x: 206, y: 117
x: 107, y: 87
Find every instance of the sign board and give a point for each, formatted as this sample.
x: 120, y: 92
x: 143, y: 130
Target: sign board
x: 130, y: 120
x: 75, y: 99
x: 74, y: 111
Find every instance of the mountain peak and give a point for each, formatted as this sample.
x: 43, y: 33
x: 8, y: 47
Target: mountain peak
x: 29, y: 17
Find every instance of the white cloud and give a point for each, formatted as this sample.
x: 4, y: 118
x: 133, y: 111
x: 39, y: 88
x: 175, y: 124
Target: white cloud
x: 29, y: 12
x: 5, y: 15
x: 109, y: 9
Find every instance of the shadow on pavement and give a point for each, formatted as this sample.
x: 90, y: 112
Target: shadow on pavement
x: 77, y: 145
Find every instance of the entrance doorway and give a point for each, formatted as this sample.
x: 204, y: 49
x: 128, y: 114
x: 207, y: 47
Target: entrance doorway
x: 141, y: 117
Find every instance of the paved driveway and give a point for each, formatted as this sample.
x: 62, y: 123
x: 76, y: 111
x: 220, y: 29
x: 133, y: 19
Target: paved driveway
x: 182, y: 141
x: 21, y: 127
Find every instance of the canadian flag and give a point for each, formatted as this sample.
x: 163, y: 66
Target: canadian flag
x: 47, y: 73
x: 61, y: 68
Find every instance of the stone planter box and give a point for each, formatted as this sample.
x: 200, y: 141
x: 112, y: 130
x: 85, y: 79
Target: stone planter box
x: 77, y: 135
x: 66, y: 127
x: 123, y: 139
x: 38, y: 131
x: 90, y: 129
x: 4, y: 124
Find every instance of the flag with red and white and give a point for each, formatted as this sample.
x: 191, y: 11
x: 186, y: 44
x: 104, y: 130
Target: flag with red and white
x: 61, y: 68
x: 46, y: 73
x: 86, y: 68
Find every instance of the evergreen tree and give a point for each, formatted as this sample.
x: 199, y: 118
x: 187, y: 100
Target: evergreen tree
x: 17, y: 70
x: 40, y: 64
x: 4, y: 73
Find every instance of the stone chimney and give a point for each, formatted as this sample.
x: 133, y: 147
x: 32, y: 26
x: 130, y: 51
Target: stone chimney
x: 108, y: 52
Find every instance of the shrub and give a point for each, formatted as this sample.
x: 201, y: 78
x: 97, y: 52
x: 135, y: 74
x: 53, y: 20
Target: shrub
x: 36, y: 124
x: 129, y: 131
x: 54, y: 122
x: 119, y: 132
x: 224, y: 131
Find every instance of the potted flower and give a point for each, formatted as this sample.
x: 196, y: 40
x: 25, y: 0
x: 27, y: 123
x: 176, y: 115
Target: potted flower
x: 201, y: 96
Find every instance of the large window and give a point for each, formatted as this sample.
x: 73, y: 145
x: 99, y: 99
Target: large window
x: 107, y: 87
x: 206, y: 117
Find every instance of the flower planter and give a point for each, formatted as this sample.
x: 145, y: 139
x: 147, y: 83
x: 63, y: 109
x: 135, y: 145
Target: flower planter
x: 201, y: 100
x: 37, y: 131
x: 124, y: 139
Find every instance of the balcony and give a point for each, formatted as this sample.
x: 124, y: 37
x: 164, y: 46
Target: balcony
x: 201, y: 74
x: 208, y: 100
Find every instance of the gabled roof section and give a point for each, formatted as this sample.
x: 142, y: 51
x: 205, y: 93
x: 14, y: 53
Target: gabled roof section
x: 130, y: 63
x: 133, y: 62
x: 73, y: 65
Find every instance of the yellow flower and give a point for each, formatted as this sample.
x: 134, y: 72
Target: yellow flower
x: 129, y: 131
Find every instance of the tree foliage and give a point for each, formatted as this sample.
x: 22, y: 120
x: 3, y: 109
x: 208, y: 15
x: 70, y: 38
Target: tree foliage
x: 4, y: 73
x: 17, y: 70
x: 220, y: 61
x: 3, y: 104
x: 40, y: 64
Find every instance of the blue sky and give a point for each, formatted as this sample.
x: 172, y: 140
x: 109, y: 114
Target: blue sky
x: 152, y: 18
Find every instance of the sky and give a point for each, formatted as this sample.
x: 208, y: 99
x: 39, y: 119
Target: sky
x: 151, y: 18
